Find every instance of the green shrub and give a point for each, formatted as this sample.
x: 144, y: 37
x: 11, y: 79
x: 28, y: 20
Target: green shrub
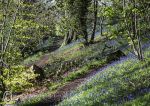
x: 17, y: 78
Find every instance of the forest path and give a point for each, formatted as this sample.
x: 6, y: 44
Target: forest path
x: 66, y: 89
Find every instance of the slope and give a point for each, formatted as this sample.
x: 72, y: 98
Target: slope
x: 125, y: 82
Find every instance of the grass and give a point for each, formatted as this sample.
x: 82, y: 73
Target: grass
x: 35, y: 100
x: 122, y: 83
x: 140, y: 101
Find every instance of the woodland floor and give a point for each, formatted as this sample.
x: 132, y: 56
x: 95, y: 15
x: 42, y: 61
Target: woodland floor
x: 56, y: 97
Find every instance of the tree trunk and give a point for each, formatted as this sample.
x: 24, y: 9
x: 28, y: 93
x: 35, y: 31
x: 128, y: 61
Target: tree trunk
x: 95, y: 21
x: 136, y: 34
x: 101, y: 25
x: 133, y: 28
x: 83, y: 19
x: 68, y: 38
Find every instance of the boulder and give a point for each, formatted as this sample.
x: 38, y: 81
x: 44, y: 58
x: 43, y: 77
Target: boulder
x: 38, y: 70
x: 114, y: 56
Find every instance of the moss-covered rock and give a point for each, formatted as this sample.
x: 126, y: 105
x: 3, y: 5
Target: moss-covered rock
x: 114, y: 56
